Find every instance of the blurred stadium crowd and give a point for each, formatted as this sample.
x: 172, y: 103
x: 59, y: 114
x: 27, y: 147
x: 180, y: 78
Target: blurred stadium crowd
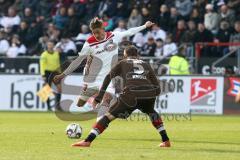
x: 26, y: 25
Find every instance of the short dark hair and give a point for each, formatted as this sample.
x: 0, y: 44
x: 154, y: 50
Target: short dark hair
x: 131, y: 51
x: 96, y: 23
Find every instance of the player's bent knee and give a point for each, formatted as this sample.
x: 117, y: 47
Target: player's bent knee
x: 107, y: 98
x: 110, y: 117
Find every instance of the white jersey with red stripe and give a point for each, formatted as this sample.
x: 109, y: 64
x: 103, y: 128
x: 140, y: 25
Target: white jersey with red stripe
x: 105, y: 54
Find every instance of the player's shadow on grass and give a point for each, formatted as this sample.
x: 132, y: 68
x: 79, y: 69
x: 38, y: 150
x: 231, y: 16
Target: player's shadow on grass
x: 174, y: 141
x: 210, y: 142
x: 206, y: 150
x: 132, y: 139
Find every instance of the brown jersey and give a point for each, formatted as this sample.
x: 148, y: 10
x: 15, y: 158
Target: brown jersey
x: 137, y: 76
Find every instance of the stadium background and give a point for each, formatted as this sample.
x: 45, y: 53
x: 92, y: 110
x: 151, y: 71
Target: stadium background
x: 208, y: 29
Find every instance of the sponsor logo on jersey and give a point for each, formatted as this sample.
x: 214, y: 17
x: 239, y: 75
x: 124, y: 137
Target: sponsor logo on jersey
x: 203, y: 92
x: 234, y: 87
x: 110, y: 46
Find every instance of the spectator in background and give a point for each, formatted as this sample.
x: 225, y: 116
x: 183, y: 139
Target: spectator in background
x: 169, y: 3
x: 111, y: 8
x: 82, y: 37
x: 107, y: 22
x: 103, y: 6
x: 35, y: 31
x: 174, y: 18
x: 138, y: 39
x: 28, y: 16
x: 184, y: 8
x: 159, y: 48
x: 12, y: 20
x: 58, y: 4
x: 121, y: 26
x: 179, y: 31
x: 52, y: 32
x: 234, y: 5
x: 211, y: 19
x: 4, y: 5
x: 195, y: 16
x: 223, y: 34
x: 91, y: 8
x: 79, y: 8
x: 44, y: 10
x: 169, y: 48
x: 61, y: 19
x: 149, y: 48
x: 4, y: 45
x: 18, y: 6
x: 145, y: 15
x: 227, y: 14
x: 123, y: 10
x: 190, y: 35
x: 16, y: 48
x: 163, y: 17
x: 157, y: 33
x: 32, y: 4
x: 23, y: 32
x: 73, y: 23
x: 135, y: 19
x: 203, y: 34
x: 84, y: 33
x: 66, y: 47
x: 235, y: 36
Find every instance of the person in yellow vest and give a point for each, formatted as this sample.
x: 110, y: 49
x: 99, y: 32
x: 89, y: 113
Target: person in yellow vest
x: 49, y: 67
x: 178, y: 64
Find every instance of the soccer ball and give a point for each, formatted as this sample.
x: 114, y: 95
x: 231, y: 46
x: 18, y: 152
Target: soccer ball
x: 74, y: 130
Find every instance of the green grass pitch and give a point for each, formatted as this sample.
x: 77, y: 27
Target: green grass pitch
x: 41, y: 136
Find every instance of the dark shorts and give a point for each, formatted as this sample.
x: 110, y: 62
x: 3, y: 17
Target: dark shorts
x: 49, y: 76
x: 123, y: 108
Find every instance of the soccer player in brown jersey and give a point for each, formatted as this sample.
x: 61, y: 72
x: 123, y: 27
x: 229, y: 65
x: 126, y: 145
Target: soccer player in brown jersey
x: 140, y: 88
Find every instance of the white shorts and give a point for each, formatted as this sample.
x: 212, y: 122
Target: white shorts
x: 93, y: 90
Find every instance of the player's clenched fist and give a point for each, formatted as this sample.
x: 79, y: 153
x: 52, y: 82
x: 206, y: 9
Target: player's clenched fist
x: 149, y: 24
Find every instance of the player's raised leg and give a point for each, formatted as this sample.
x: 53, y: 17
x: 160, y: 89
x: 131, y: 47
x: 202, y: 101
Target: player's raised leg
x: 97, y: 129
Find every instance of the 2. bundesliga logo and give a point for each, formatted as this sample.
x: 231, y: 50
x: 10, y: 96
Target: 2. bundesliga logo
x: 203, y: 92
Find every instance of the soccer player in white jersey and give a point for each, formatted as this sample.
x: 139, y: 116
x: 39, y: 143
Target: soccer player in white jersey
x: 102, y: 47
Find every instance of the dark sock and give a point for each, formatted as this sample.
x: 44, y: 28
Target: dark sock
x: 48, y: 105
x: 158, y: 124
x: 164, y: 136
x: 98, y: 128
x: 58, y: 97
x: 90, y: 137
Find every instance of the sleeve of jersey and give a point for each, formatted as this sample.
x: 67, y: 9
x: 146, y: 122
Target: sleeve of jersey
x: 130, y: 32
x: 86, y: 50
x: 115, y: 71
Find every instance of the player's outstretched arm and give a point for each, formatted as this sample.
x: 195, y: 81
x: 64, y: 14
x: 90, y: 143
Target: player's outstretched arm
x: 72, y: 67
x: 132, y: 31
